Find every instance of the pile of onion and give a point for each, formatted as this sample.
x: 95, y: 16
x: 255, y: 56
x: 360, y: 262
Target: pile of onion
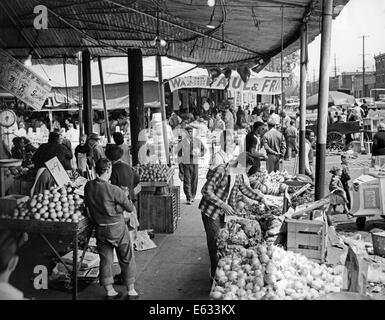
x: 270, y: 273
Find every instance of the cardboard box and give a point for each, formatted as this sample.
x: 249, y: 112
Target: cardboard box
x: 10, y: 202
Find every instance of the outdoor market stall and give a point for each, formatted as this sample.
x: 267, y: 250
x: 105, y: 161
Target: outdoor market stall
x: 58, y: 211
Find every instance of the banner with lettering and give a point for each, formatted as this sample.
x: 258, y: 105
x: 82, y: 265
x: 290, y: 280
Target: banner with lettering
x: 22, y: 82
x: 269, y: 86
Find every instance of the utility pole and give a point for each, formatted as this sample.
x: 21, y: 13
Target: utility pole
x: 335, y: 65
x: 314, y: 84
x: 363, y: 65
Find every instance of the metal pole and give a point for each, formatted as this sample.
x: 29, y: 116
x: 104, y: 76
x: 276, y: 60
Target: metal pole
x: 87, y: 92
x: 282, y: 94
x: 363, y: 66
x: 323, y: 94
x: 81, y: 126
x: 303, y: 78
x: 162, y: 105
x: 108, y: 129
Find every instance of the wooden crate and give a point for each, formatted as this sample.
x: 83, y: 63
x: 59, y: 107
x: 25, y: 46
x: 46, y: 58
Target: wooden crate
x: 159, y: 212
x: 308, y: 237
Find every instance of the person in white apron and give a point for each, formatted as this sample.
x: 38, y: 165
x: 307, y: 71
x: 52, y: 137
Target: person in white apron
x: 82, y: 152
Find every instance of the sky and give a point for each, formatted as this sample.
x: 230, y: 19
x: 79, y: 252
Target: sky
x: 358, y: 18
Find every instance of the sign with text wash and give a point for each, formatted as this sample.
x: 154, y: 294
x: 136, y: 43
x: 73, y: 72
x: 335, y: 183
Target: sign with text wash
x: 59, y: 174
x: 23, y: 83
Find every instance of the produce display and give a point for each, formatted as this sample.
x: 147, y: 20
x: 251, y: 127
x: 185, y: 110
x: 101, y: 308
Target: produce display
x: 267, y: 272
x: 270, y: 219
x: 153, y: 172
x: 238, y: 234
x: 56, y: 204
x: 269, y: 183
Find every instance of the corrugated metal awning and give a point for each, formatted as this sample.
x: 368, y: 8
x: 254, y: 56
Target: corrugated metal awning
x: 245, y: 30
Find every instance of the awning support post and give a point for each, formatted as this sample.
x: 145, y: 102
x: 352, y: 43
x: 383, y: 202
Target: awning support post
x: 81, y: 126
x: 108, y: 129
x: 327, y: 15
x: 136, y: 101
x: 303, y: 79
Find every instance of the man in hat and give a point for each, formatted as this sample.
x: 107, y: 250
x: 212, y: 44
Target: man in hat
x: 111, y: 232
x: 96, y: 150
x: 275, y: 146
x: 190, y: 149
x: 9, y: 243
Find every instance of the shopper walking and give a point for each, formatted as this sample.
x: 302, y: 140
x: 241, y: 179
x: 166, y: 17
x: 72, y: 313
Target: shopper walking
x: 291, y: 140
x: 275, y: 146
x: 190, y: 149
x: 111, y: 232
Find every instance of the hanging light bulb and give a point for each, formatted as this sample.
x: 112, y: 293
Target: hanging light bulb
x: 163, y: 43
x: 28, y: 61
x: 211, y: 3
x: 153, y: 42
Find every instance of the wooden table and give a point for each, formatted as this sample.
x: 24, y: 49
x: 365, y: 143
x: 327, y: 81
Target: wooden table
x: 44, y: 228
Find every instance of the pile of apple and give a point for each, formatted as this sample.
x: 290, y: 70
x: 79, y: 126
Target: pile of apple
x: 153, y: 172
x: 56, y: 204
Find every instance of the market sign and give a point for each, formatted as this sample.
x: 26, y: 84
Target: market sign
x: 269, y: 86
x: 59, y: 174
x: 22, y: 82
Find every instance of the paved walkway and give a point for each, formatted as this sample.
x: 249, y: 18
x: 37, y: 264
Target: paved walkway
x: 177, y: 269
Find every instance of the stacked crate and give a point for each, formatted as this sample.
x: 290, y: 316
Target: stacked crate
x: 159, y: 212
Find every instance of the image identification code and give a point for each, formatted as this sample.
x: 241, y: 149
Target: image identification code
x: 196, y: 310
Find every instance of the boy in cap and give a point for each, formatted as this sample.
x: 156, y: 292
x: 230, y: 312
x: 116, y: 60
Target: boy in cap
x: 111, y: 232
x: 8, y: 262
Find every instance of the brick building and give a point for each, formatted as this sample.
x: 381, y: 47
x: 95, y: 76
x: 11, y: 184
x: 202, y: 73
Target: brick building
x: 380, y: 70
